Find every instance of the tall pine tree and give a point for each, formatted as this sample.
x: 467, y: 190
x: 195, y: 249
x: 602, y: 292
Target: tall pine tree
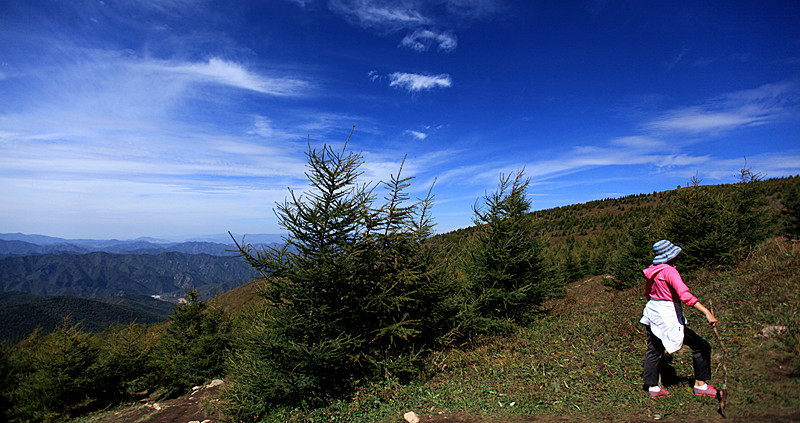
x: 349, y: 297
x: 507, y: 272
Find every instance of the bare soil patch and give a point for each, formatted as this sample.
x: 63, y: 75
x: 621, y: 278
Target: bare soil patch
x: 187, y: 408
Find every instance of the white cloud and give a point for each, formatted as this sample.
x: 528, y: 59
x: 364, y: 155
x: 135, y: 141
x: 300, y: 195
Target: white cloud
x: 262, y: 126
x: 768, y: 93
x: 415, y: 82
x: 422, y: 39
x: 697, y: 120
x: 392, y: 15
x: 232, y: 74
x: 758, y: 106
x: 417, y: 134
x: 384, y: 15
x: 575, y: 160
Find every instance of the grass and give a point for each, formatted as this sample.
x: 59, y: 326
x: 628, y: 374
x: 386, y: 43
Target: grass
x: 582, y: 359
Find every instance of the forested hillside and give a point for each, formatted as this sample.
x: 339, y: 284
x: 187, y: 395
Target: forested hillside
x: 100, y: 274
x: 603, y: 236
x: 22, y: 313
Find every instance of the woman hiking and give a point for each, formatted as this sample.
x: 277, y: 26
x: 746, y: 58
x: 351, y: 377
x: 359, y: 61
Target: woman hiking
x: 666, y: 325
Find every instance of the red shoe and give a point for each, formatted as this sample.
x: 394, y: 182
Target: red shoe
x: 659, y: 394
x: 708, y: 392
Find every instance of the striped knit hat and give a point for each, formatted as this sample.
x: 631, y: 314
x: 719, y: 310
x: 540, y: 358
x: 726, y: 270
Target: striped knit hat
x: 665, y: 251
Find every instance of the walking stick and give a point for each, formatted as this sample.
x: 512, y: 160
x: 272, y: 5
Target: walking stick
x: 722, y: 394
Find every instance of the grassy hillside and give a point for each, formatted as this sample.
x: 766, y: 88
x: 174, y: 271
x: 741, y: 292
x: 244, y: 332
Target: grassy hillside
x: 582, y: 356
x: 581, y: 359
x: 239, y: 299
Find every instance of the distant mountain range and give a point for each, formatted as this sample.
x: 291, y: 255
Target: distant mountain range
x: 99, y: 274
x: 21, y: 312
x: 17, y: 244
x: 103, y: 282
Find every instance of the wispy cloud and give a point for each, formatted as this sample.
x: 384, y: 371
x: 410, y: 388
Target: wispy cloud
x: 413, y: 82
x: 418, y: 16
x: 639, y: 142
x: 699, y: 119
x: 672, y: 63
x: 233, y: 74
x: 117, y: 128
x: 758, y: 106
x: 383, y: 15
x: 423, y: 39
x: 582, y: 158
x: 472, y: 9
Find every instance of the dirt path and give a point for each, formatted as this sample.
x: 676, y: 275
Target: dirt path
x: 191, y: 408
x: 188, y: 408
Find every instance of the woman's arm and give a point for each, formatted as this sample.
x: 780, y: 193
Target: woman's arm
x: 712, y: 321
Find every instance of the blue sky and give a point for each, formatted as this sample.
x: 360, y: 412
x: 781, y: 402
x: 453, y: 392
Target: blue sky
x: 121, y: 119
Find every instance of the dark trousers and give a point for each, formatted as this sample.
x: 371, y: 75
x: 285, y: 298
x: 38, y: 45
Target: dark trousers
x: 701, y: 356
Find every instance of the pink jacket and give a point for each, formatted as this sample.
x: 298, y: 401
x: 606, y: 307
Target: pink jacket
x: 665, y: 283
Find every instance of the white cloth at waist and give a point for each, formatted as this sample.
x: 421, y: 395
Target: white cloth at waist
x: 666, y: 321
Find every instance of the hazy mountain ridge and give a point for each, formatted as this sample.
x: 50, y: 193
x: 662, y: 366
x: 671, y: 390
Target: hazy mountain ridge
x: 12, y: 248
x: 99, y: 274
x: 104, y: 282
x: 17, y: 244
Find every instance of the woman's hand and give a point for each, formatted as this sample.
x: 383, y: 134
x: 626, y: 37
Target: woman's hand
x: 712, y: 321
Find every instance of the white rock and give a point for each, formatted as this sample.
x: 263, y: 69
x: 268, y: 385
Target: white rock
x: 215, y: 382
x: 411, y: 417
x: 771, y: 331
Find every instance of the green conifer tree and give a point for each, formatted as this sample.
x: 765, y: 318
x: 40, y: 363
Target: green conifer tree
x: 701, y: 221
x: 507, y: 272
x: 791, y: 212
x: 633, y: 255
x: 126, y: 362
x: 60, y: 379
x: 8, y: 376
x: 344, y: 296
x: 194, y: 347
